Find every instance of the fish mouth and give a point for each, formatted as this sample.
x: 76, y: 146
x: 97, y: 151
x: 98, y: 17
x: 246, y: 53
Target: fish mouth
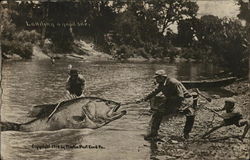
x: 99, y: 117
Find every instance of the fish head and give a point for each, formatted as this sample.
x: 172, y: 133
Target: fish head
x: 100, y: 112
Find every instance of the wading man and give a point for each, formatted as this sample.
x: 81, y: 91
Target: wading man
x: 177, y: 100
x: 75, y: 84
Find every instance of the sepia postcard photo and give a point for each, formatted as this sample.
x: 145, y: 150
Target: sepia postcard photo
x: 124, y: 79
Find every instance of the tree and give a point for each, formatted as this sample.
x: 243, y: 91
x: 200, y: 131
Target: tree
x: 168, y: 12
x: 207, y: 28
x: 186, y: 32
x: 228, y: 39
x: 14, y: 41
x: 232, y: 46
x: 244, y: 10
x: 8, y: 28
x: 245, y: 15
x: 157, y: 16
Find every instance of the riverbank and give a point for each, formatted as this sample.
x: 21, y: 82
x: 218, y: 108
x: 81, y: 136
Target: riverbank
x: 220, y: 146
x: 80, y: 50
x: 83, y: 50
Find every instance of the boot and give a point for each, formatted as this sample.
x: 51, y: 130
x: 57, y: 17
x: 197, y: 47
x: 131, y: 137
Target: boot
x: 188, y: 126
x: 151, y: 136
x: 186, y: 135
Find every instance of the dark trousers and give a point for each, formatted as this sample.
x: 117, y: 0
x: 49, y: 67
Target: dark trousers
x: 188, y: 124
x: 155, y: 123
x: 157, y: 119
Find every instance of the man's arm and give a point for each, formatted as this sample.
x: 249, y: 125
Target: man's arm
x: 82, y: 80
x: 153, y: 93
x: 67, y: 85
x: 218, y: 109
x: 180, y: 90
x: 81, y: 77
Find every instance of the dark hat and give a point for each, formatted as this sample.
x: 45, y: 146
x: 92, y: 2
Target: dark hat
x: 231, y: 102
x: 73, y: 72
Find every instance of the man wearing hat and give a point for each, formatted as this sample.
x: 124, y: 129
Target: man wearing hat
x: 231, y: 117
x: 75, y: 83
x: 176, y: 98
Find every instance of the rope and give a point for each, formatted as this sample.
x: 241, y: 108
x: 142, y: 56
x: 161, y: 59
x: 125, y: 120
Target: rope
x: 127, y: 103
x: 208, y: 109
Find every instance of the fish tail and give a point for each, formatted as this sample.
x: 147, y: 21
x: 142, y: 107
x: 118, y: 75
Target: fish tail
x: 9, y: 126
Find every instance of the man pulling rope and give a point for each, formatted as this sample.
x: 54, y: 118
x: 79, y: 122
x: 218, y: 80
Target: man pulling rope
x: 231, y: 117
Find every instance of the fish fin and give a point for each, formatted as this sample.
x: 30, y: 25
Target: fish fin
x: 7, y: 126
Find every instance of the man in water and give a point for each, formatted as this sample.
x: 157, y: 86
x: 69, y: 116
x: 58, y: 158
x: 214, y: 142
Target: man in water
x: 231, y: 117
x: 75, y: 83
x: 177, y: 100
x: 74, y: 86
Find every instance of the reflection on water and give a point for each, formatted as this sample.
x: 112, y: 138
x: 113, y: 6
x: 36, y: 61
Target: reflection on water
x: 29, y: 83
x: 196, y: 71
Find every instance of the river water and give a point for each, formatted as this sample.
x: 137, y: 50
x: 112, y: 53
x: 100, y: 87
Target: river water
x: 29, y: 83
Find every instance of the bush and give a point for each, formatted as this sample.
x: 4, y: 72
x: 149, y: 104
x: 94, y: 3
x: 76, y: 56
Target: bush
x: 21, y: 43
x: 123, y: 52
x: 219, y: 40
x: 15, y: 41
x: 61, y: 38
x: 24, y: 50
x: 142, y: 52
x: 230, y: 45
x: 27, y: 36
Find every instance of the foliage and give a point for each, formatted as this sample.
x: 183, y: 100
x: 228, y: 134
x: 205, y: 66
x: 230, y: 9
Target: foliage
x: 16, y: 41
x: 123, y: 52
x: 27, y: 36
x: 7, y: 26
x: 207, y: 29
x: 186, y: 32
x: 167, y: 12
x: 231, y: 44
x: 224, y: 39
x: 129, y: 26
x: 24, y: 50
x: 126, y: 20
x: 203, y: 54
x: 245, y: 15
x: 244, y: 10
x: 126, y: 29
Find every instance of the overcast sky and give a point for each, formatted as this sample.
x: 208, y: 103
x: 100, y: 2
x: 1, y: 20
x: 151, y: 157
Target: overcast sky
x: 220, y: 8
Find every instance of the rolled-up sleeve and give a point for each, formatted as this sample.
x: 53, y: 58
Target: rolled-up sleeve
x: 179, y: 90
x: 67, y: 85
x: 82, y: 81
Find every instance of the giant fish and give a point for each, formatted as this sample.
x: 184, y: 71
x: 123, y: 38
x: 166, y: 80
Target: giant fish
x: 83, y: 112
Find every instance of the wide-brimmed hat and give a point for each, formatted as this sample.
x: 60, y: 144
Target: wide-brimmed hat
x: 160, y: 73
x: 73, y: 72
